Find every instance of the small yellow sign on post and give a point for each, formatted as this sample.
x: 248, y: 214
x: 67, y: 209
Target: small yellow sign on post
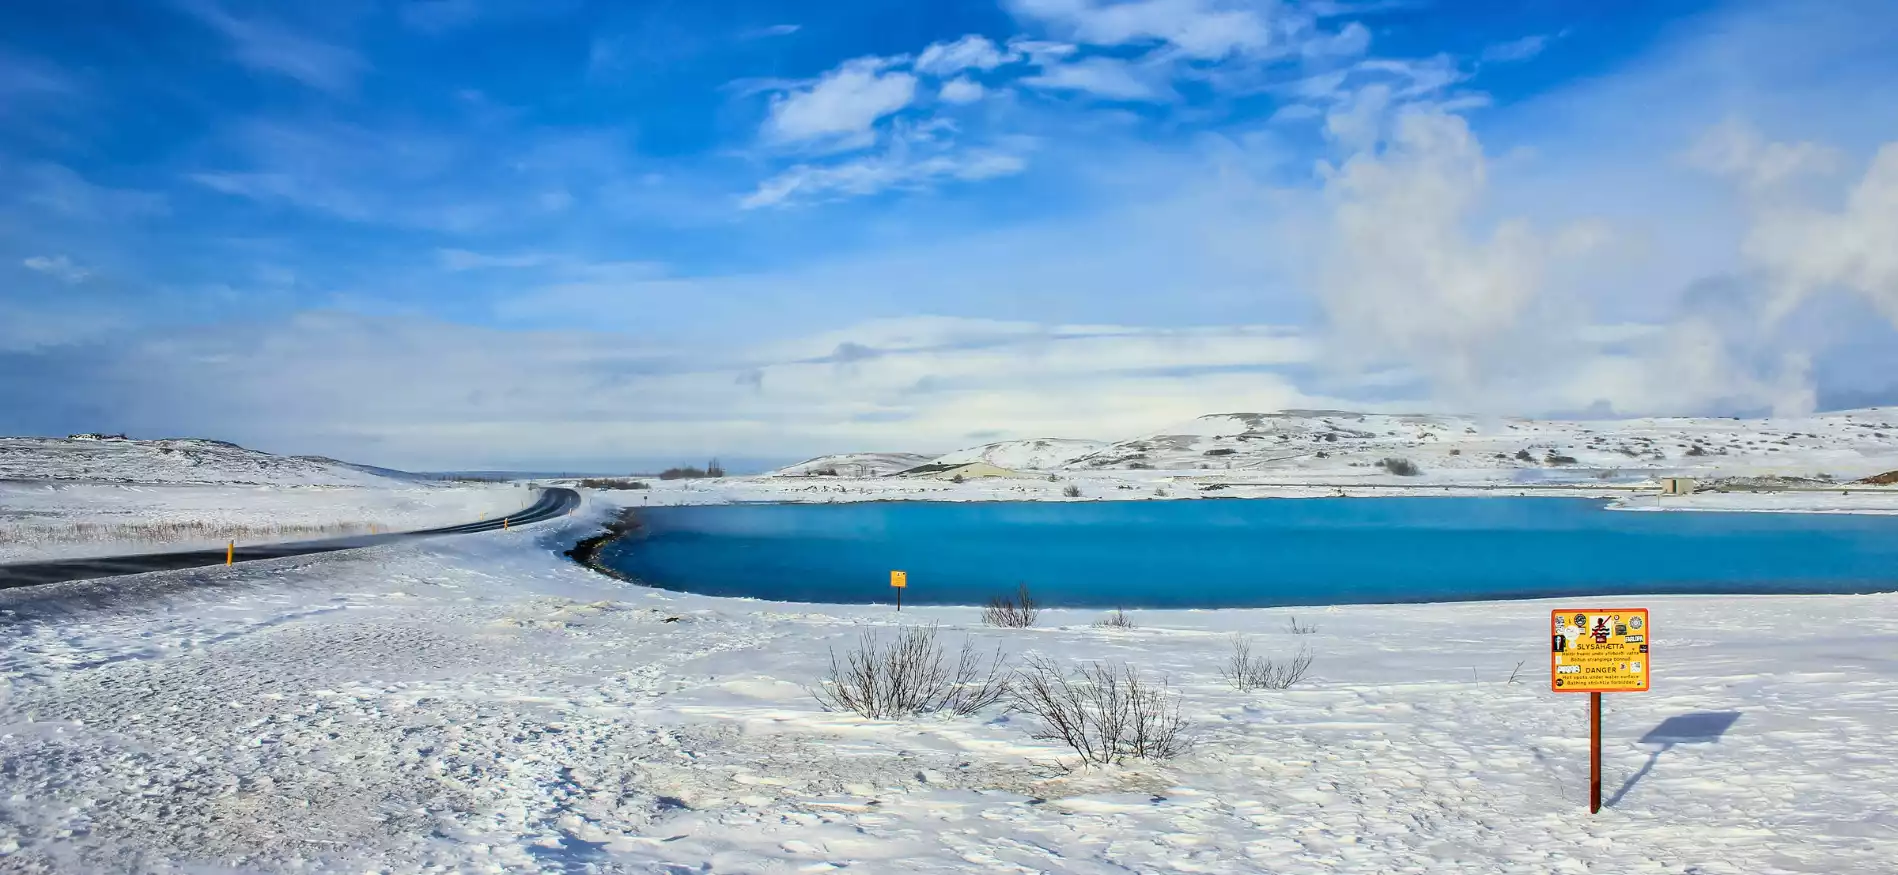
x: 1599, y: 650
x: 1595, y: 651
x: 899, y: 579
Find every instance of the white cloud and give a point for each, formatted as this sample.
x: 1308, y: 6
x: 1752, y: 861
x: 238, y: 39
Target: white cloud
x: 972, y: 52
x: 896, y: 169
x: 1516, y: 50
x: 264, y: 45
x: 58, y: 267
x: 1204, y: 29
x: 961, y: 90
x: 1111, y: 78
x: 321, y: 382
x: 776, y: 30
x: 412, y: 177
x: 64, y: 193
x: 842, y: 106
x: 1806, y: 250
x: 1352, y: 40
x: 1403, y: 277
x: 1418, y: 272
x: 1737, y: 150
x: 1357, y: 121
x: 1041, y: 52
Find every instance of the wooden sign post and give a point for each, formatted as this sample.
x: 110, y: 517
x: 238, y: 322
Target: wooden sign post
x: 899, y: 581
x: 1595, y: 651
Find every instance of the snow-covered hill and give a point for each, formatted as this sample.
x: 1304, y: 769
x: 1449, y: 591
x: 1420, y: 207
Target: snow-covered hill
x: 1037, y: 454
x: 175, y: 461
x: 1845, y: 445
x: 852, y: 465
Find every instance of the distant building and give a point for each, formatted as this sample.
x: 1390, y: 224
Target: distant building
x: 1677, y: 485
x: 965, y: 470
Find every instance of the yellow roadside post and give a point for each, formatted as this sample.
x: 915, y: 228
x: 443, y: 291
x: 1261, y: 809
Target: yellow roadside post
x: 230, y: 552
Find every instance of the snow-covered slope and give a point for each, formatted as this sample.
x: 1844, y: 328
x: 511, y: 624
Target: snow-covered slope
x: 1037, y: 454
x: 171, y: 461
x: 1845, y: 444
x: 481, y: 704
x: 852, y: 465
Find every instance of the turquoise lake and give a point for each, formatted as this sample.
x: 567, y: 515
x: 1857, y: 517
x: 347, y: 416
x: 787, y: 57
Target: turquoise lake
x: 1249, y: 553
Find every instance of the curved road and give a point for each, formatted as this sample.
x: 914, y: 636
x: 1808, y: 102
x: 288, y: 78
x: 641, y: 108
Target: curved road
x: 554, y: 502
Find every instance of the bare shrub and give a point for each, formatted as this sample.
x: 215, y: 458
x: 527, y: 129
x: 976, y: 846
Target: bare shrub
x: 1018, y: 612
x: 1105, y: 713
x: 1400, y: 467
x: 1116, y: 620
x: 1297, y: 628
x: 912, y: 675
x: 613, y: 483
x: 1247, y: 671
x: 1071, y: 491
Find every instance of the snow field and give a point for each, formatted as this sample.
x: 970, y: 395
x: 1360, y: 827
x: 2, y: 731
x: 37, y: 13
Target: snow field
x: 1329, y: 446
x: 479, y: 704
x: 64, y: 520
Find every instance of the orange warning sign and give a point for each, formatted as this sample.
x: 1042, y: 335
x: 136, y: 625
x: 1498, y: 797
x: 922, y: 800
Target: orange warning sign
x: 1599, y: 650
x: 899, y: 579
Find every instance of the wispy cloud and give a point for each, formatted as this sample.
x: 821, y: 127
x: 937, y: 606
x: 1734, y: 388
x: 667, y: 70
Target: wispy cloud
x: 1196, y: 28
x: 972, y: 52
x: 842, y: 107
x: 411, y: 177
x: 461, y: 259
x: 444, y: 16
x: 271, y: 47
x: 1517, y: 49
x: 64, y: 193
x: 1737, y: 150
x: 961, y: 90
x: 23, y: 77
x: 58, y: 267
x: 1111, y: 78
x: 772, y: 30
x: 897, y: 169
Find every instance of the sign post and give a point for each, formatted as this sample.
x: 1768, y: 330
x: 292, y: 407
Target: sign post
x: 899, y: 581
x: 1595, y: 651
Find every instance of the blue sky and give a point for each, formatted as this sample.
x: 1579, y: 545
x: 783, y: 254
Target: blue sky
x: 474, y: 233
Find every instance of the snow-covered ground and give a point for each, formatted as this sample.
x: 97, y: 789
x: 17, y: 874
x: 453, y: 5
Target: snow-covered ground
x: 479, y: 704
x: 47, y: 520
x: 176, y: 461
x: 853, y: 465
x: 1321, y: 445
x: 63, y: 498
x: 1040, y: 454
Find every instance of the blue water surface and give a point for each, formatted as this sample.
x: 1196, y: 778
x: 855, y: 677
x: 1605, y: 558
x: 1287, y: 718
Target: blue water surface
x: 1231, y: 553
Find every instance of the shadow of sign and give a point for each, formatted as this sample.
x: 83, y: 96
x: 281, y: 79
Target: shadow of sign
x: 1704, y: 727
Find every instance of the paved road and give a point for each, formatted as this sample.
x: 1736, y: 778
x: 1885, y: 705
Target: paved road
x: 554, y: 502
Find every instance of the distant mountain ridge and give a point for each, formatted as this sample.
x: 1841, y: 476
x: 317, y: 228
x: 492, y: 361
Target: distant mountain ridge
x: 1325, y: 444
